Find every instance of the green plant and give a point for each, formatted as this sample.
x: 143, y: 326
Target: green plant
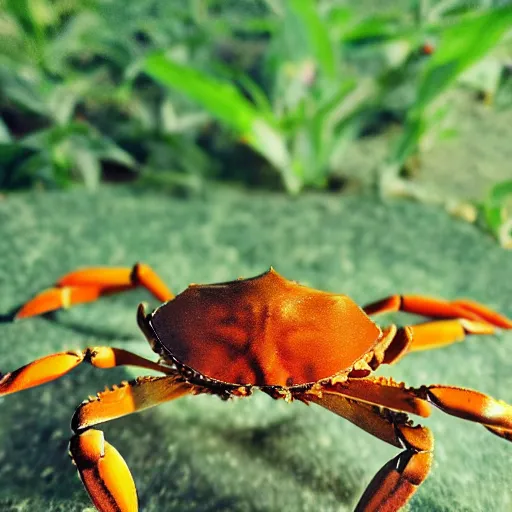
x: 496, y: 212
x: 307, y: 110
x: 71, y: 99
x: 461, y: 44
x: 295, y: 81
x: 326, y: 73
x: 55, y: 155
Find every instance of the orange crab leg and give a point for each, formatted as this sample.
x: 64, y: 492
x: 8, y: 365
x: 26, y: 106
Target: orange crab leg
x: 380, y: 391
x: 489, y: 315
x: 438, y: 308
x: 128, y: 398
x: 57, y: 298
x: 470, y: 405
x: 461, y: 317
x: 500, y: 432
x: 89, y: 284
x: 436, y: 334
x: 55, y: 366
x: 102, y: 469
x: 397, y: 481
x: 464, y: 403
x: 425, y: 336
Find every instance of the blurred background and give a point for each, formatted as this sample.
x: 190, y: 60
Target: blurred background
x: 412, y: 98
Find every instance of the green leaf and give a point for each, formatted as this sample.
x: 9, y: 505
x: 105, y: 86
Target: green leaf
x: 505, y: 234
x: 461, y: 45
x: 494, y: 205
x: 61, y: 103
x: 381, y: 27
x: 226, y: 103
x: 38, y: 168
x: 220, y: 98
x: 500, y: 192
x: 317, y: 34
x: 23, y: 87
x: 256, y: 93
x: 74, y: 146
x: 5, y: 136
x: 26, y: 12
x: 409, y: 142
x: 88, y: 165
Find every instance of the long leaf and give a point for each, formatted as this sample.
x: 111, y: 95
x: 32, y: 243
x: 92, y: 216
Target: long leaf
x: 220, y: 98
x: 88, y: 165
x: 228, y: 105
x: 317, y: 35
x: 461, y: 46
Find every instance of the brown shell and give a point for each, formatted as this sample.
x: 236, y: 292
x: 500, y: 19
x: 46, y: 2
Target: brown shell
x: 263, y: 331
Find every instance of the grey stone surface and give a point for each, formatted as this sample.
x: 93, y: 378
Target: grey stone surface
x: 201, y: 454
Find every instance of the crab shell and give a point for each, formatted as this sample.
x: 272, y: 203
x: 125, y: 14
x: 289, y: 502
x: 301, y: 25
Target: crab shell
x: 263, y: 331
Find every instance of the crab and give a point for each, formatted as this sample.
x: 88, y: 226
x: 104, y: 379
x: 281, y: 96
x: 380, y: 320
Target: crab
x: 290, y: 341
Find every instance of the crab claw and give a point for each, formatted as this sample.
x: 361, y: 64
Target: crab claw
x: 103, y: 472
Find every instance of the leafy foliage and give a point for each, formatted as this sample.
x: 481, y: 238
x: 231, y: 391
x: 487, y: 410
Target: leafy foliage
x: 306, y: 109
x: 461, y: 44
x: 317, y: 94
x: 72, y: 99
x: 172, y: 92
x: 496, y: 212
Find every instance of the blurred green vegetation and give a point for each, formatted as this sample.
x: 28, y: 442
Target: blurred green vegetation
x: 266, y: 92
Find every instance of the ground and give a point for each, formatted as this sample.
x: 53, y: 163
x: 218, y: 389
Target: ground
x: 202, y: 454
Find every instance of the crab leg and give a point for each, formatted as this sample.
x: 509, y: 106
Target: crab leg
x: 89, y: 284
x: 425, y: 336
x: 438, y: 308
x: 460, y: 317
x: 379, y: 391
x: 433, y: 334
x: 397, y: 481
x: 464, y: 403
x: 360, y: 401
x: 102, y: 469
x: 471, y: 405
x: 129, y: 397
x: 55, y: 366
